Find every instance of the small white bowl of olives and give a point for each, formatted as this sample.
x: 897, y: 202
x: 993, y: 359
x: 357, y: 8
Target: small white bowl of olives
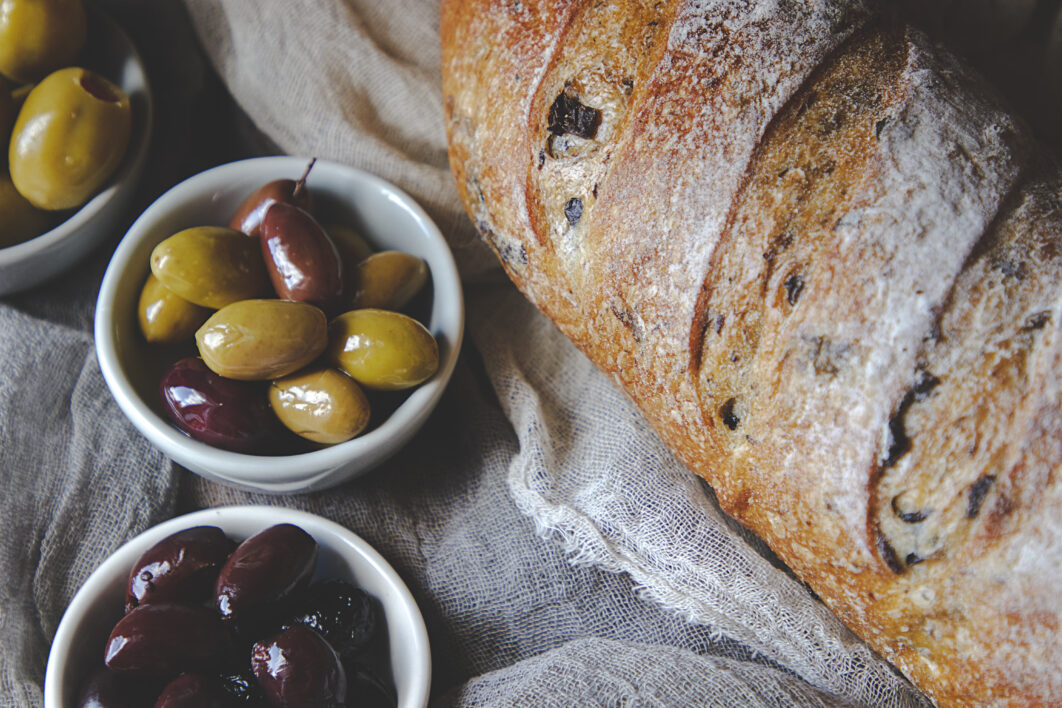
x: 75, y: 122
x: 198, y: 609
x: 280, y: 324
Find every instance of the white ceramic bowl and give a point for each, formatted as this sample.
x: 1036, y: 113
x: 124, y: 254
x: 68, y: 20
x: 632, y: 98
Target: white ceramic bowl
x: 82, y: 634
x: 109, y: 52
x: 384, y: 215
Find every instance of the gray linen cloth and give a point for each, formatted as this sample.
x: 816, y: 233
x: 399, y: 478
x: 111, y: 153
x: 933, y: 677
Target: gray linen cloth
x: 560, y: 554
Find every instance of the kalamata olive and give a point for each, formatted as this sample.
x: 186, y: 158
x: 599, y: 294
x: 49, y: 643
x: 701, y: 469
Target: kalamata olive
x: 264, y: 570
x: 256, y: 340
x: 381, y: 349
x: 302, y: 261
x: 321, y: 404
x: 366, y: 688
x: 211, y: 266
x: 165, y: 639
x: 39, y: 36
x: 241, y: 686
x: 70, y: 136
x: 233, y: 415
x: 182, y: 567
x: 251, y: 211
x: 193, y: 691
x: 107, y: 689
x: 165, y: 317
x: 299, y: 668
x: 388, y: 280
x: 345, y: 615
x: 21, y: 220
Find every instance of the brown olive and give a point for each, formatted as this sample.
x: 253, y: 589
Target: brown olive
x: 69, y: 138
x: 299, y: 668
x: 257, y: 340
x: 211, y: 266
x: 265, y: 569
x: 165, y: 317
x: 182, y: 567
x: 106, y: 689
x: 166, y: 639
x: 251, y: 211
x: 301, y: 259
x: 388, y: 280
x: 381, y: 349
x: 320, y: 404
x: 193, y: 691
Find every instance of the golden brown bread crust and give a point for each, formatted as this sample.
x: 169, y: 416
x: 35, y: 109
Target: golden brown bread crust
x: 827, y: 265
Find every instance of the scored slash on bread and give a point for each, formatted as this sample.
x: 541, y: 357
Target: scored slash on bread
x: 826, y: 263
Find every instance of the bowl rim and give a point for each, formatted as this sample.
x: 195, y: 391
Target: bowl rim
x: 123, y: 558
x: 120, y: 182
x: 281, y: 472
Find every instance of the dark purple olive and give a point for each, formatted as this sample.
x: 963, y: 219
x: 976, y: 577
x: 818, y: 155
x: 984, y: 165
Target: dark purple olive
x: 233, y: 415
x: 241, y: 686
x: 249, y: 214
x: 165, y: 639
x: 263, y: 571
x: 301, y: 260
x: 192, y: 691
x: 106, y: 689
x: 299, y: 668
x: 345, y: 615
x: 367, y: 688
x: 180, y: 568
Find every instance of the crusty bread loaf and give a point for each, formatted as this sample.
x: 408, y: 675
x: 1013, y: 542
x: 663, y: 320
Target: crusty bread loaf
x: 826, y: 263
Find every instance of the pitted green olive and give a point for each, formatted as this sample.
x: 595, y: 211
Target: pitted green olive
x: 320, y: 404
x: 69, y: 138
x: 256, y: 340
x: 388, y: 280
x: 39, y: 36
x: 19, y: 220
x: 211, y: 266
x: 165, y: 317
x: 381, y: 349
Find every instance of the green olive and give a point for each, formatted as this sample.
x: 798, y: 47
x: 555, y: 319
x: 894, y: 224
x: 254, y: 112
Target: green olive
x: 165, y: 317
x: 388, y: 280
x: 381, y: 349
x: 211, y: 266
x: 39, y: 36
x: 256, y: 340
x: 69, y: 138
x: 352, y: 247
x: 320, y: 404
x: 19, y: 220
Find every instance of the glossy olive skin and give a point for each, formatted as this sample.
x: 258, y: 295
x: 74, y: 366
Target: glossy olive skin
x: 165, y: 317
x: 19, y: 220
x: 257, y: 340
x: 321, y: 404
x: 381, y: 349
x: 182, y: 567
x: 345, y: 615
x: 388, y: 280
x: 69, y: 138
x: 39, y: 36
x: 231, y: 415
x: 302, y: 261
x: 192, y: 691
x: 265, y: 569
x: 299, y: 668
x: 211, y: 266
x: 107, y: 689
x: 165, y: 639
x: 251, y: 211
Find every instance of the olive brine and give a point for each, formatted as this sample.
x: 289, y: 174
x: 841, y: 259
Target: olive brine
x: 299, y: 327
x: 211, y: 623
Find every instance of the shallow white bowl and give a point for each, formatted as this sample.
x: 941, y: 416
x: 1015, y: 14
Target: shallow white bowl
x: 82, y: 634
x: 109, y: 52
x: 384, y: 215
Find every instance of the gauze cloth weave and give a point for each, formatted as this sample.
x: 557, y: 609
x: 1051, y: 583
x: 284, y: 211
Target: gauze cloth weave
x: 560, y: 554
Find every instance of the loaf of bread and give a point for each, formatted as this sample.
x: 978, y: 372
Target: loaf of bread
x: 826, y: 263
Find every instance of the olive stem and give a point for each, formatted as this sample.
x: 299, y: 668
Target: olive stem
x: 301, y: 183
